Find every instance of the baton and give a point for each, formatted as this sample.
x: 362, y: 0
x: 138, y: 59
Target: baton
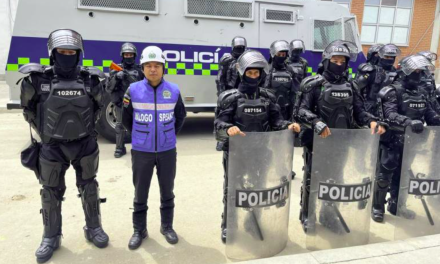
x: 254, y: 218
x: 341, y: 218
x: 425, y: 206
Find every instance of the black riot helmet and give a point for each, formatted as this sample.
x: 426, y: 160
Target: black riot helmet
x: 372, y: 54
x: 275, y: 47
x: 128, y: 48
x: 296, y: 47
x: 238, y: 45
x: 388, y: 54
x: 61, y: 44
x: 338, y: 48
x: 412, y: 69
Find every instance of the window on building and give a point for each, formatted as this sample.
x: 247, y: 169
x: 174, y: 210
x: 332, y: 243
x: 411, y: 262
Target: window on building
x: 387, y: 21
x: 345, y: 3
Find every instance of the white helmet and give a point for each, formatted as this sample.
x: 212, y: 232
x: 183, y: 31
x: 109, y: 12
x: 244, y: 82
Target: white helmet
x: 152, y: 53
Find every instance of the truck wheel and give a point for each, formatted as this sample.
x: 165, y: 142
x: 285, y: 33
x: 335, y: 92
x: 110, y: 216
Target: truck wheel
x: 107, y: 123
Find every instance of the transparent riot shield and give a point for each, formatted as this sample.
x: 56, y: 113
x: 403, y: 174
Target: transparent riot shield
x: 343, y: 168
x: 418, y: 208
x: 259, y: 176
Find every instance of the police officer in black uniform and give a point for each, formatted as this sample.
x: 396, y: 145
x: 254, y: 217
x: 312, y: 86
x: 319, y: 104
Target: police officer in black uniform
x: 404, y: 105
x: 373, y: 54
x: 62, y: 103
x: 371, y: 78
x: 427, y: 84
x: 117, y: 84
x: 233, y: 118
x: 227, y: 77
x: 329, y: 101
x: 280, y: 80
x: 297, y: 65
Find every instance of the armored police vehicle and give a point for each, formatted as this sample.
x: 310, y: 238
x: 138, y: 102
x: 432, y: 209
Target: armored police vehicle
x: 194, y: 35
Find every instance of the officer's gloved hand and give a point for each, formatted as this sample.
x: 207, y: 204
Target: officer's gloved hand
x: 120, y: 75
x: 321, y: 127
x: 416, y: 126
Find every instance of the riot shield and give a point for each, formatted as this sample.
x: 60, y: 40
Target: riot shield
x: 340, y: 192
x: 419, y: 185
x: 259, y: 176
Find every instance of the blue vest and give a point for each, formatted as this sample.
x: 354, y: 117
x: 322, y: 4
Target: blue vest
x: 153, y: 116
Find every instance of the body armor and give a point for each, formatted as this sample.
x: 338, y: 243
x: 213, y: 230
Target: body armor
x: 252, y: 115
x: 298, y: 69
x: 68, y: 112
x: 336, y: 105
x: 232, y: 78
x: 412, y: 104
x: 383, y: 78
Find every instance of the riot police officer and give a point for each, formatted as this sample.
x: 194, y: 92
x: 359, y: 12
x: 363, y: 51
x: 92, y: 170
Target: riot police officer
x: 234, y: 117
x: 227, y: 77
x: 297, y: 65
x: 117, y: 85
x: 405, y: 106
x: 280, y: 80
x: 329, y: 101
x: 427, y: 84
x: 371, y: 78
x: 154, y: 113
x: 373, y: 55
x: 62, y: 103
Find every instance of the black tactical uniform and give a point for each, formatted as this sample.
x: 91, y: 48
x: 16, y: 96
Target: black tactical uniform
x: 403, y: 105
x: 250, y: 108
x: 227, y: 77
x: 327, y: 100
x: 371, y: 78
x: 62, y: 104
x: 280, y: 80
x: 297, y: 65
x: 117, y: 84
x: 427, y: 84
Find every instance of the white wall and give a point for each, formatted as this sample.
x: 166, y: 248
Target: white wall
x: 8, y: 9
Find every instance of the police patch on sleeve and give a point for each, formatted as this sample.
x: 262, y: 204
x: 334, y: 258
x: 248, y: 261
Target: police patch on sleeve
x: 126, y: 101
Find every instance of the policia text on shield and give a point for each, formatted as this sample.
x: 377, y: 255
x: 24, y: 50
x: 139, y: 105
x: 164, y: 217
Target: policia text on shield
x: 154, y: 113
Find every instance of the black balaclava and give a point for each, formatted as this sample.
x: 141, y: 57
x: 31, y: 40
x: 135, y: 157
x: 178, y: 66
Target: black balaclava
x: 334, y: 72
x: 387, y: 64
x: 412, y: 81
x: 249, y: 85
x: 65, y: 66
x: 295, y: 55
x: 128, y: 62
x: 237, y: 51
x: 278, y: 62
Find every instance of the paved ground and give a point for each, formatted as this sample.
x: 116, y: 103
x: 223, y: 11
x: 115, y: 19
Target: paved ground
x: 197, y: 217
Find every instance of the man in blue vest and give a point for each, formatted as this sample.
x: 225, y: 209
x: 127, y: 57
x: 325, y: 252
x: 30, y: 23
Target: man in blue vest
x: 154, y: 113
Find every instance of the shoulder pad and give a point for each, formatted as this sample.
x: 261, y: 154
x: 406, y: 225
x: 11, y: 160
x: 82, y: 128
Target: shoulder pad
x: 93, y: 71
x: 227, y: 57
x: 385, y: 91
x: 267, y: 93
x: 311, y: 82
x: 32, y: 67
x: 304, y: 61
x: 366, y: 67
x: 226, y: 98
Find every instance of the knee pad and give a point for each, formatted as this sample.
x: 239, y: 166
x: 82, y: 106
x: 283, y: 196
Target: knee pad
x: 383, y: 180
x: 50, y: 172
x: 389, y: 158
x: 89, y: 165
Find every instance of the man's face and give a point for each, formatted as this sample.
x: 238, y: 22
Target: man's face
x: 253, y: 73
x: 153, y: 71
x: 281, y: 54
x: 68, y: 52
x: 128, y: 55
x: 338, y: 59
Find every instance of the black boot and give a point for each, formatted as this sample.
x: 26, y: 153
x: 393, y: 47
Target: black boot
x: 120, y: 137
x: 91, y: 205
x: 403, y: 210
x: 140, y: 229
x: 169, y: 233
x: 51, y: 212
x: 378, y: 207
